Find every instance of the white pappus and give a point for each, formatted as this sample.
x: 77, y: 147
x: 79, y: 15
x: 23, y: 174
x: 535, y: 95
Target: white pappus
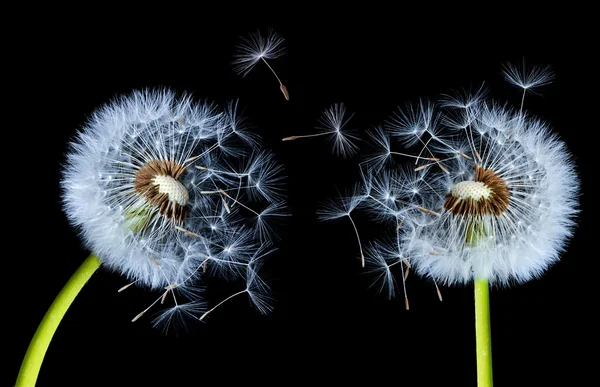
x: 255, y: 48
x: 332, y: 124
x: 491, y: 192
x: 167, y: 190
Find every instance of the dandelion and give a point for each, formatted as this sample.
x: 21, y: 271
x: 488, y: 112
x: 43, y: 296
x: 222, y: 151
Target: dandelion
x: 331, y: 124
x: 255, y: 48
x: 489, y: 198
x: 152, y: 186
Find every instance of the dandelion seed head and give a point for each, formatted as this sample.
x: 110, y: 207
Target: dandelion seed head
x: 504, y: 217
x: 486, y: 194
x: 485, y: 190
x: 150, y: 183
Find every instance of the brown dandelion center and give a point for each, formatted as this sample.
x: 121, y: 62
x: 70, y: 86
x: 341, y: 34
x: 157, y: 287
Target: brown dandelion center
x: 158, y: 182
x: 487, y: 194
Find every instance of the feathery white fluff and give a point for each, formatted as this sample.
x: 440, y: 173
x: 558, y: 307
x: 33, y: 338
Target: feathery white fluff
x: 522, y: 241
x: 534, y: 202
x: 230, y: 190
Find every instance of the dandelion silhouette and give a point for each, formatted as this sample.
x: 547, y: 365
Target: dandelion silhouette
x: 490, y: 197
x: 330, y: 124
x: 255, y: 48
x: 167, y: 191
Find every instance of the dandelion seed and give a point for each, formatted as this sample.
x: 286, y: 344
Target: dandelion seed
x: 220, y: 303
x: 331, y: 124
x: 256, y: 288
x: 439, y: 293
x: 513, y: 190
x: 410, y: 124
x: 332, y: 210
x: 527, y: 77
x: 126, y: 287
x: 255, y: 48
x: 382, y: 256
x: 380, y: 266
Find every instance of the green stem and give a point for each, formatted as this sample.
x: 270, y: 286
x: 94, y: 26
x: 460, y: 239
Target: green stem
x: 32, y: 361
x: 483, y: 333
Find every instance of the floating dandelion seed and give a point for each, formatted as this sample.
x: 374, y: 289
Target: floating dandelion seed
x: 490, y: 197
x: 343, y: 207
x: 331, y: 124
x: 483, y: 170
x: 255, y: 48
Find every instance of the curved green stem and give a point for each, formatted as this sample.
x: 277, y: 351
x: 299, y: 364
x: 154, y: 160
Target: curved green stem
x: 483, y: 333
x: 34, y: 356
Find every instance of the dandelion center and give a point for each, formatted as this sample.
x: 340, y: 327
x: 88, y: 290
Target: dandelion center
x: 487, y: 194
x: 173, y: 188
x: 157, y: 181
x: 471, y: 189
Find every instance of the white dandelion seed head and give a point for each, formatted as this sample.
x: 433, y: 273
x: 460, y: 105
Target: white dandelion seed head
x: 487, y: 191
x: 151, y: 184
x: 508, y: 215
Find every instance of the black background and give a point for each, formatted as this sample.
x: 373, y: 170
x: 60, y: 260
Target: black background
x: 328, y: 325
